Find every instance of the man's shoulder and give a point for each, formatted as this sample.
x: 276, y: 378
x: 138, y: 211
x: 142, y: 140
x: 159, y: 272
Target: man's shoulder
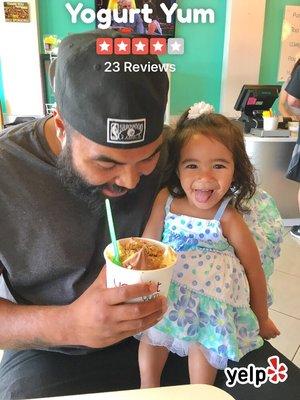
x: 21, y: 133
x: 293, y: 86
x: 19, y: 142
x: 13, y: 132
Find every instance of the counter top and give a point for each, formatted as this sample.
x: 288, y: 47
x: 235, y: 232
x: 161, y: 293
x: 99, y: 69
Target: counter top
x: 252, y: 138
x: 192, y: 392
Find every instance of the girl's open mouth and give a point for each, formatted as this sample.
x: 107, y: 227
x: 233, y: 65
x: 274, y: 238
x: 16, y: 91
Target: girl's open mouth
x: 202, y: 196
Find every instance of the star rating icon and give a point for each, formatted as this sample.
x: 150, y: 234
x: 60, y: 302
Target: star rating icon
x: 122, y: 46
x: 176, y: 46
x: 158, y: 46
x: 140, y: 46
x: 104, y: 46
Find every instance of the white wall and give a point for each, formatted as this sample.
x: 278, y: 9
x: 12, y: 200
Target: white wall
x: 242, y: 49
x: 19, y: 54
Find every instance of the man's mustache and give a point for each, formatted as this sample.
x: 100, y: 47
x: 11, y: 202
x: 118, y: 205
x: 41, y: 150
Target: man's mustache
x: 111, y: 186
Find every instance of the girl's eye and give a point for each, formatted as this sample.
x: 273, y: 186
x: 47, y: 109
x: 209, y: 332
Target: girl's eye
x: 219, y: 166
x: 191, y: 166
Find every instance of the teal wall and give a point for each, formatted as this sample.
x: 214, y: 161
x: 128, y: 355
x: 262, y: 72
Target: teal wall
x: 198, y: 71
x: 275, y: 10
x: 2, y: 98
x: 55, y: 18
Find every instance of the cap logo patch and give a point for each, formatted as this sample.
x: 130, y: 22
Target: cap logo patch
x: 126, y: 131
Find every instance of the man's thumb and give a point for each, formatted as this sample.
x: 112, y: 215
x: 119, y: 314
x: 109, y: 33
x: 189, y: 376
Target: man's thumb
x: 101, y: 278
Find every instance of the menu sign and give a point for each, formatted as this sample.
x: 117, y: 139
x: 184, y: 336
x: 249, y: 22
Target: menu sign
x: 290, y: 41
x: 16, y: 11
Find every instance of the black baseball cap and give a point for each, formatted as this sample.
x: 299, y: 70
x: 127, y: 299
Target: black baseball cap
x: 117, y: 109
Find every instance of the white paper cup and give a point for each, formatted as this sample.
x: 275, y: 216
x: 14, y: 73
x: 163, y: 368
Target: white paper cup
x: 270, y: 123
x: 119, y: 276
x: 293, y: 128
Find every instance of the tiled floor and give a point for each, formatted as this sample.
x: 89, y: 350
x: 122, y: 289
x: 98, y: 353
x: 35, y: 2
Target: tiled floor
x: 285, y: 311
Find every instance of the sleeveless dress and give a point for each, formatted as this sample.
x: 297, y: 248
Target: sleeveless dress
x: 208, y: 299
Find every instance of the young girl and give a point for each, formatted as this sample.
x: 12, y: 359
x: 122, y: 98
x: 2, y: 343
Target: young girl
x: 218, y: 295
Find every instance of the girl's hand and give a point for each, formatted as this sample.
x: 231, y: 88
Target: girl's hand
x: 268, y: 330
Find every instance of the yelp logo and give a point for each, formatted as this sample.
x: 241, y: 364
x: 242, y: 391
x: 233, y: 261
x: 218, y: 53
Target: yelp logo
x: 275, y: 372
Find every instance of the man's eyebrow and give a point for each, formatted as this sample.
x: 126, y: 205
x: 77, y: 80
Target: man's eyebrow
x: 107, y: 159
x: 157, y: 150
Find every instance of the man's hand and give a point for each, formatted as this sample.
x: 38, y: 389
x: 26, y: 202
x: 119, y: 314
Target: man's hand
x: 101, y: 317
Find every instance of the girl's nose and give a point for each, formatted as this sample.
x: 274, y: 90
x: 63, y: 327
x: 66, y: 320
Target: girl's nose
x: 205, y: 175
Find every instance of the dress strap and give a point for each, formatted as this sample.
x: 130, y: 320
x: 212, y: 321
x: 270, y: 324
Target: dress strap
x: 168, y: 204
x: 222, y: 207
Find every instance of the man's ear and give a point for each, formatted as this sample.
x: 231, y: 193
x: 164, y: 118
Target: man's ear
x: 60, y: 128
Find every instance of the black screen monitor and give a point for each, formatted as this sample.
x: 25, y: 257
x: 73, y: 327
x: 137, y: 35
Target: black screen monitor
x: 253, y: 99
x: 158, y: 26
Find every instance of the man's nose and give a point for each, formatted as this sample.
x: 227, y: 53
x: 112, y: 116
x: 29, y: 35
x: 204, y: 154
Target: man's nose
x: 129, y: 178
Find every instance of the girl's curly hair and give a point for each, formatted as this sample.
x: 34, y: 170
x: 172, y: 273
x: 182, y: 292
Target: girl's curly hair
x: 220, y: 128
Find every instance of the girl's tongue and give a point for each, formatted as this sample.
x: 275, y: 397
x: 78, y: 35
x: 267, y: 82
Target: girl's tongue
x: 202, y: 196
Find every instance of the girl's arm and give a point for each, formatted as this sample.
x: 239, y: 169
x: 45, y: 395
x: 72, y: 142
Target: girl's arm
x: 155, y: 223
x: 239, y: 236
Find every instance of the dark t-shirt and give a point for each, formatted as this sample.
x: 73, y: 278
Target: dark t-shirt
x: 293, y: 88
x: 51, y: 244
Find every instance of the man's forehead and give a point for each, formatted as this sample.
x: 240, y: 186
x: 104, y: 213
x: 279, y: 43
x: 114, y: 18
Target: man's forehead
x: 94, y: 150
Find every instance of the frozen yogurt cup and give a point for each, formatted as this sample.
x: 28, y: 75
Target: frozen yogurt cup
x: 143, y: 260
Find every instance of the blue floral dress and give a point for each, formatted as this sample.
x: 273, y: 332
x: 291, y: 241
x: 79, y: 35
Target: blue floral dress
x: 209, y: 292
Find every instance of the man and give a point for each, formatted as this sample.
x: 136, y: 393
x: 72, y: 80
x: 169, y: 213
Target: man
x: 130, y: 27
x: 293, y: 173
x: 69, y: 334
x: 293, y: 88
x: 104, y: 140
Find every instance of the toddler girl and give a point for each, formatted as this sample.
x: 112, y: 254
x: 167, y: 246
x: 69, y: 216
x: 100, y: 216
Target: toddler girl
x: 218, y: 294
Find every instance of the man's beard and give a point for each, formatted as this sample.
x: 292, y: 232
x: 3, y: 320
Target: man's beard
x: 91, y: 194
